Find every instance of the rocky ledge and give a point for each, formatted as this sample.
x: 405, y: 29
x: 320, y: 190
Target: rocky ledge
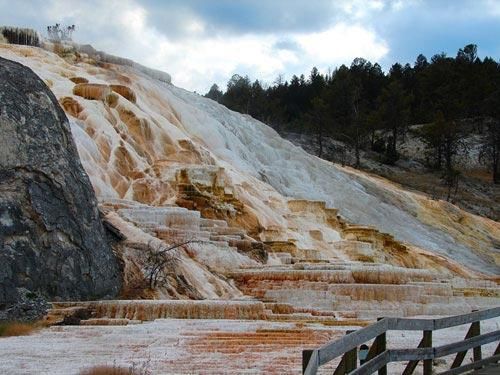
x: 52, y: 240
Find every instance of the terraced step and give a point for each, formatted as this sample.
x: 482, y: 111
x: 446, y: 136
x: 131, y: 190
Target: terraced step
x: 108, y: 322
x: 171, y: 217
x: 210, y: 223
x: 226, y: 238
x: 354, y: 274
x: 228, y: 231
x: 179, y: 235
x: 283, y: 258
x: 310, y: 260
x: 65, y: 315
x: 156, y: 309
x: 310, y: 254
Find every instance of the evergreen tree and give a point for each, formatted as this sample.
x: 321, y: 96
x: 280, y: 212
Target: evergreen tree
x: 394, y: 105
x: 359, y: 103
x: 214, y: 93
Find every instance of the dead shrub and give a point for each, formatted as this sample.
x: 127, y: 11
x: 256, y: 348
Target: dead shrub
x: 8, y: 329
x: 107, y: 370
x: 134, y: 369
x: 364, y: 258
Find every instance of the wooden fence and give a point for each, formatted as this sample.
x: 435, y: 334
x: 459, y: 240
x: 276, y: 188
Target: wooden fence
x: 379, y: 356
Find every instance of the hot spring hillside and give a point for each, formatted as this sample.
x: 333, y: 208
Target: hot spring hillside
x: 164, y: 162
x: 274, y: 250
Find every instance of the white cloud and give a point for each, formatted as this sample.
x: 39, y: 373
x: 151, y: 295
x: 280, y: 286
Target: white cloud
x: 198, y: 59
x: 199, y: 62
x: 342, y: 43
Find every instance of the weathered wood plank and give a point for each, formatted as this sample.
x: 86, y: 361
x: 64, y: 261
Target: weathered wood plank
x: 427, y: 339
x: 373, y: 365
x: 341, y: 368
x: 465, y: 345
x: 459, y: 358
x: 412, y: 365
x: 471, y: 366
x: 372, y: 353
x: 350, y: 342
x: 467, y: 318
x: 351, y: 360
x: 409, y: 324
x: 348, y: 361
x: 406, y: 324
x: 382, y: 347
x: 306, y: 356
x: 313, y: 364
x: 400, y: 355
x: 334, y: 349
x: 476, y: 331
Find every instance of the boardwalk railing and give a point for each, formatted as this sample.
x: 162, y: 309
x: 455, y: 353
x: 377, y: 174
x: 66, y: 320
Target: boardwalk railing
x: 379, y: 356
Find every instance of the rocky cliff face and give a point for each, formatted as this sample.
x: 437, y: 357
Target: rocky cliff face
x: 51, y: 238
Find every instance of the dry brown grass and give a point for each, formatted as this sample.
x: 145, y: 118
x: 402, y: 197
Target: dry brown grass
x: 8, y: 329
x: 364, y: 258
x: 107, y: 370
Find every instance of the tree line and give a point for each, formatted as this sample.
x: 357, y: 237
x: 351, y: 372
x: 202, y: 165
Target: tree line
x: 366, y: 108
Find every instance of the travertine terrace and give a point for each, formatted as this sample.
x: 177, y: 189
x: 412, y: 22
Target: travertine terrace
x: 281, y: 241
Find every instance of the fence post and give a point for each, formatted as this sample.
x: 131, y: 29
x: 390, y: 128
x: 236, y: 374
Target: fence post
x: 381, y: 342
x: 351, y: 358
x: 427, y: 343
x: 306, y: 356
x: 476, y: 331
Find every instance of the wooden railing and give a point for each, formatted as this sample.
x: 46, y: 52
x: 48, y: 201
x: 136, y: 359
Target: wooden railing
x: 379, y: 356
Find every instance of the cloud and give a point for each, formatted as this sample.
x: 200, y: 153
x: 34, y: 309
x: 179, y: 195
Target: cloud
x: 195, y: 57
x: 342, y: 42
x: 201, y: 42
x: 243, y: 16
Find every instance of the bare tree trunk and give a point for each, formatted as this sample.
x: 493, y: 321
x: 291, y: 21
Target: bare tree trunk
x: 439, y: 161
x: 496, y: 172
x: 320, y: 137
x: 496, y: 159
x: 356, y: 147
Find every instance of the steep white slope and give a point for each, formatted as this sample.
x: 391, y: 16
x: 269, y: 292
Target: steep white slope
x: 133, y: 149
x: 244, y: 144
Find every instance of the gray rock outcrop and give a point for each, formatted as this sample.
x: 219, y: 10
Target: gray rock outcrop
x: 52, y: 240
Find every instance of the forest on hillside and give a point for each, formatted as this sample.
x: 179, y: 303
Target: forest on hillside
x: 366, y: 108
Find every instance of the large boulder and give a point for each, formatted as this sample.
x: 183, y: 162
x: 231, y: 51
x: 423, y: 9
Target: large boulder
x: 52, y: 240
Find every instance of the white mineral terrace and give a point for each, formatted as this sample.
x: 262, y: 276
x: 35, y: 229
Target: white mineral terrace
x: 134, y: 143
x: 171, y: 217
x: 173, y: 346
x: 143, y: 310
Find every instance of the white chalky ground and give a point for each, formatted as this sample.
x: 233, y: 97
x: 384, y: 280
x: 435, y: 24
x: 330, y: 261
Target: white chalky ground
x: 168, y: 346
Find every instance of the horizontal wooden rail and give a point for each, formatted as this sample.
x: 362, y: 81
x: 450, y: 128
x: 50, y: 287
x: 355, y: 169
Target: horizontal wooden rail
x: 472, y: 366
x: 353, y: 340
x: 408, y: 324
x: 399, y: 355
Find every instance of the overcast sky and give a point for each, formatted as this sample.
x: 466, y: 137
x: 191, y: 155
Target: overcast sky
x: 200, y: 42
